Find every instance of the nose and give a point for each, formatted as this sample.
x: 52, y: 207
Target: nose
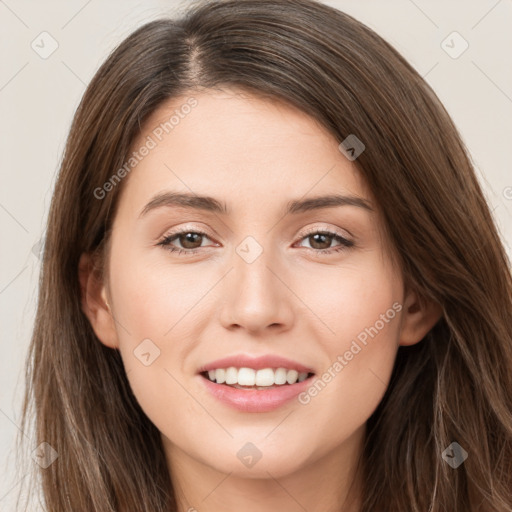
x: 257, y: 296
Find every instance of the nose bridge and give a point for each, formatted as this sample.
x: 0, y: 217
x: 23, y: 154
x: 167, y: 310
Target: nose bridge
x: 253, y: 277
x: 256, y: 297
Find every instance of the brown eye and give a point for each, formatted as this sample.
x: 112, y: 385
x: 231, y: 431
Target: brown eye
x: 320, y: 241
x: 190, y: 240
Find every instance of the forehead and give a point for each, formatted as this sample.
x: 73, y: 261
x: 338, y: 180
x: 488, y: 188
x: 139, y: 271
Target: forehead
x: 239, y: 147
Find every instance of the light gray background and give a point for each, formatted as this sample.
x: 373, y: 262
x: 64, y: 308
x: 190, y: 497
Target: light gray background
x: 39, y: 96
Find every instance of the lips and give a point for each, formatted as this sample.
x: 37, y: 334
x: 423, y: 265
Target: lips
x: 225, y: 379
x: 256, y: 363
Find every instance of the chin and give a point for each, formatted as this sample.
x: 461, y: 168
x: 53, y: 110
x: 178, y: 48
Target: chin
x: 249, y: 459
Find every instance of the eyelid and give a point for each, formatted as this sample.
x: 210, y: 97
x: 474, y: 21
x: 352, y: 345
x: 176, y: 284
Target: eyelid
x: 186, y: 229
x: 302, y: 234
x: 330, y: 229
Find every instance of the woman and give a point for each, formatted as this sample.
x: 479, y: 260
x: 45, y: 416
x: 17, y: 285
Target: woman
x: 270, y: 281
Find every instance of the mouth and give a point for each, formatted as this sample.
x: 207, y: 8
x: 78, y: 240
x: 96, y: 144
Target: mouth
x: 256, y: 379
x: 255, y: 390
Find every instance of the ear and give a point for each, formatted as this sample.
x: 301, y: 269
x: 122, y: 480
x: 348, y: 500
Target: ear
x: 94, y: 302
x: 418, y: 318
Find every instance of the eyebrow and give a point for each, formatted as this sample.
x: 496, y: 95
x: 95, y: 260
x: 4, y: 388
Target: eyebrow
x: 210, y: 204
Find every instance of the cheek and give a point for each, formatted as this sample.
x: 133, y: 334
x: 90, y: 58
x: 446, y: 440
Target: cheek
x: 153, y: 311
x: 362, y: 308
x: 154, y: 300
x: 350, y: 299
x: 160, y: 314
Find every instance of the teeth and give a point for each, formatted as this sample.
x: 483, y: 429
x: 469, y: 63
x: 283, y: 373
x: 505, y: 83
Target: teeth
x: 280, y: 376
x: 265, y: 377
x: 291, y: 376
x: 302, y: 376
x: 232, y: 375
x: 246, y: 377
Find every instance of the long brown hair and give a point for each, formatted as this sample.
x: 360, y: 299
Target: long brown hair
x: 455, y: 385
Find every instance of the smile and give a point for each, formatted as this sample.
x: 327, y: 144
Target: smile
x: 255, y: 384
x: 250, y: 378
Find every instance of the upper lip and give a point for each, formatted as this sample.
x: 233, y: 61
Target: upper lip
x: 257, y: 363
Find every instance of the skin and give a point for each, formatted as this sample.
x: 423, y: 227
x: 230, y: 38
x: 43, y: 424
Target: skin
x: 290, y: 301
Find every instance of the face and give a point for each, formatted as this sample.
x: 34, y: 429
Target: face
x: 262, y: 275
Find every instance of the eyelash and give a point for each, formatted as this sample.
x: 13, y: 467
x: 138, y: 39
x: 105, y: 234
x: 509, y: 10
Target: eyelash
x: 345, y: 244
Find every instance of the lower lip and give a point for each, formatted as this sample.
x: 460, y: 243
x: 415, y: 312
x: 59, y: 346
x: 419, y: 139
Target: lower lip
x: 253, y: 400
